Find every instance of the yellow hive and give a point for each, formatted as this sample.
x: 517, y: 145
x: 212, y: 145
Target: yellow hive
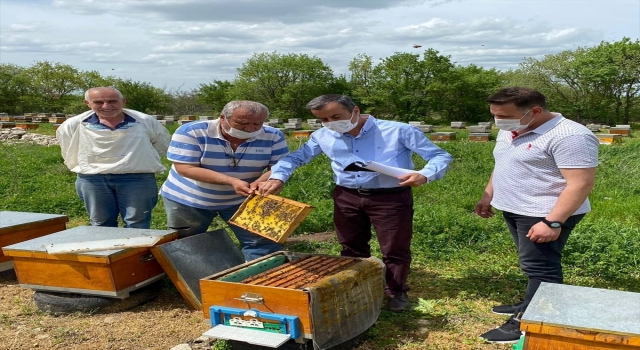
x: 270, y: 216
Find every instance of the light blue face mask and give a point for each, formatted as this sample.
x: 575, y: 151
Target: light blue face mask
x: 512, y: 124
x: 342, y: 126
x: 239, y: 134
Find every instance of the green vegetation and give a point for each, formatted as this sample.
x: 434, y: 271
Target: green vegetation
x: 462, y: 264
x: 597, y: 84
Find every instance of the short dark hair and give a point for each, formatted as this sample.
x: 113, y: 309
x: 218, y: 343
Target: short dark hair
x: 521, y: 97
x: 321, y: 101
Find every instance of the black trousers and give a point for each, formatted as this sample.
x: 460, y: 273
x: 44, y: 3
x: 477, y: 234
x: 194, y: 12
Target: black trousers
x: 540, y: 262
x: 391, y: 214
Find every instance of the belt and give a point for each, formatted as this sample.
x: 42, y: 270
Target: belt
x: 370, y: 191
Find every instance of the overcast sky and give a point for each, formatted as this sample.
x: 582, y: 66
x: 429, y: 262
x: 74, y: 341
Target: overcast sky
x: 182, y: 43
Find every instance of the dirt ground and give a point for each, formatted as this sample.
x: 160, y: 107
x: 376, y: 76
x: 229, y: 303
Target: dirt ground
x: 160, y: 324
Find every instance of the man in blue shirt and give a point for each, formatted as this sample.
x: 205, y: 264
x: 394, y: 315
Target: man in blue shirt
x: 363, y: 198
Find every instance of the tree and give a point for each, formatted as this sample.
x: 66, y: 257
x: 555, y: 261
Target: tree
x: 461, y: 94
x: 50, y: 85
x: 215, y: 95
x: 283, y: 82
x: 12, y: 88
x: 361, y: 69
x: 143, y: 97
x: 187, y: 102
x: 399, y: 84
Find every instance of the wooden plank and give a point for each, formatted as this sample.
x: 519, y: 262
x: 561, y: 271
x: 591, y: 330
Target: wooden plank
x: 134, y: 269
x: 276, y: 300
x: 254, y: 269
x: 30, y: 231
x: 553, y: 334
x: 534, y: 341
x: 69, y: 274
x: 26, y: 226
x: 177, y: 280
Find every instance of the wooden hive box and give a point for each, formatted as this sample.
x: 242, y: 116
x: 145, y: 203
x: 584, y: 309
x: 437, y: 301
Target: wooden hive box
x: 188, y: 117
x: 620, y: 131
x: 564, y: 317
x: 27, y: 126
x: 608, y: 139
x: 479, y: 136
x: 302, y: 133
x: 111, y: 273
x: 16, y: 227
x: 57, y: 120
x: 443, y: 136
x: 331, y: 298
x: 7, y: 125
x: 7, y: 118
x: 270, y: 216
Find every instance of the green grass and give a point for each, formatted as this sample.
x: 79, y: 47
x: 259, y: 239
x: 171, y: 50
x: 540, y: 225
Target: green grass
x: 462, y: 264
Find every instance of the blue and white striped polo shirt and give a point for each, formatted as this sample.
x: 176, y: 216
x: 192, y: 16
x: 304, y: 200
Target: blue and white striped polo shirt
x: 201, y: 143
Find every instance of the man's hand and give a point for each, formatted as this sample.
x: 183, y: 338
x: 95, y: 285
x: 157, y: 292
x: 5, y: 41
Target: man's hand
x: 541, y: 233
x: 268, y: 187
x: 241, y: 187
x: 483, y: 207
x: 413, y: 179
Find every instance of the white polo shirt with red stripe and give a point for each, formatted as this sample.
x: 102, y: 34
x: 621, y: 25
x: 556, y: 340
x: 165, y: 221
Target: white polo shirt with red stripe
x: 526, y: 178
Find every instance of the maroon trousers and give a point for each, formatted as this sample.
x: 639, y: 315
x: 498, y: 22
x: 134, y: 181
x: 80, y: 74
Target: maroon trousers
x: 392, y: 217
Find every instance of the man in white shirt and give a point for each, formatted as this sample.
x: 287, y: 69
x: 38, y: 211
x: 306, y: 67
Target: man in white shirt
x: 116, y: 153
x: 545, y: 168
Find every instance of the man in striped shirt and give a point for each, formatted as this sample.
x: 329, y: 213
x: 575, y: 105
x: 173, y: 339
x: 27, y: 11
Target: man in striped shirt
x: 216, y: 164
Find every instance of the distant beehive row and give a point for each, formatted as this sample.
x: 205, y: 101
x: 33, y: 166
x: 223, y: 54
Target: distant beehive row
x: 480, y: 132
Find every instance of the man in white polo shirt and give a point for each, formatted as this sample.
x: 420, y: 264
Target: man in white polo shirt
x: 116, y: 153
x: 545, y: 168
x: 216, y: 164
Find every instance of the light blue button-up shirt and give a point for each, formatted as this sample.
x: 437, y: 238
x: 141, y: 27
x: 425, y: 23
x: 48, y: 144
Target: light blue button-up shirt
x: 387, y: 142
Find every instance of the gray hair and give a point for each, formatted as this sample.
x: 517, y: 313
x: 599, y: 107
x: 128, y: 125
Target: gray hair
x: 86, y: 93
x: 320, y: 102
x: 255, y: 108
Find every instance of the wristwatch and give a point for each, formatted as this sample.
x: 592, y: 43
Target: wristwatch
x: 553, y: 224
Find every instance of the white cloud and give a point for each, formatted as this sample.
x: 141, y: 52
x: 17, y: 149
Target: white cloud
x: 176, y: 42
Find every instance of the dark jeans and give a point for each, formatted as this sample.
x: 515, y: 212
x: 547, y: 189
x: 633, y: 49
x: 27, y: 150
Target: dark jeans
x: 540, y: 262
x: 392, y: 217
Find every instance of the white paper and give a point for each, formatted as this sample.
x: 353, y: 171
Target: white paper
x: 106, y: 244
x: 384, y: 169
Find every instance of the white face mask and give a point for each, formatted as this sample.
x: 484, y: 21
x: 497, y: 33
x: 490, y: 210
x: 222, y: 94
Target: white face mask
x: 342, y: 126
x: 239, y: 134
x: 512, y: 124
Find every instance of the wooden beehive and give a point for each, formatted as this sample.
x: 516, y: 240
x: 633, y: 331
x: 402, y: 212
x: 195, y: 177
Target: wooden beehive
x: 281, y: 282
x: 564, y: 317
x: 27, y: 126
x: 188, y: 117
x: 302, y: 133
x: 270, y: 216
x: 480, y: 136
x: 57, y: 120
x: 443, y: 136
x: 112, y: 273
x: 7, y: 118
x: 16, y: 227
x: 608, y: 139
x: 7, y: 125
x: 620, y: 131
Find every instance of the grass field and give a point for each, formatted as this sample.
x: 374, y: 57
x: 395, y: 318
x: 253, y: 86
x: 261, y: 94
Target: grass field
x: 462, y: 265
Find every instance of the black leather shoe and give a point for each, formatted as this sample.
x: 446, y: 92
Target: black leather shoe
x: 399, y: 303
